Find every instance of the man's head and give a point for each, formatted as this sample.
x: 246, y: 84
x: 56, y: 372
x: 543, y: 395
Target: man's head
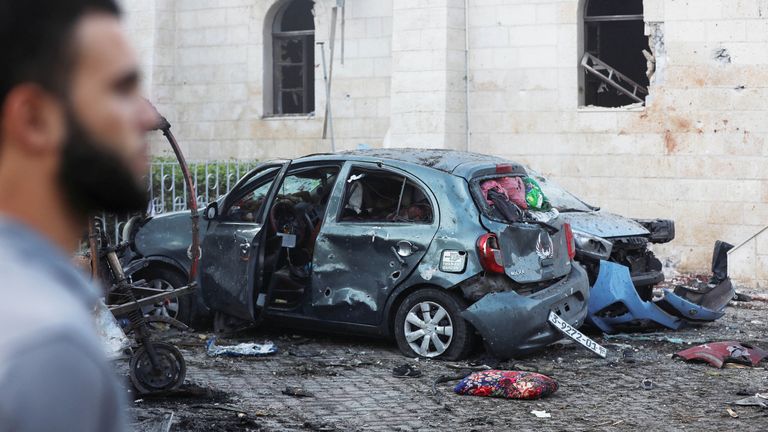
x: 70, y: 105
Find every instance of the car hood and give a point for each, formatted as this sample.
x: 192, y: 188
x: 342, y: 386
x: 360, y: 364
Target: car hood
x: 604, y: 224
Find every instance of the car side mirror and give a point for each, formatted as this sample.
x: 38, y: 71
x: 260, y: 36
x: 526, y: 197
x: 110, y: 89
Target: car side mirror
x: 212, y: 211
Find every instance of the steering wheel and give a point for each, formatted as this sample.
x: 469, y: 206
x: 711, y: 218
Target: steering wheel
x: 285, y: 219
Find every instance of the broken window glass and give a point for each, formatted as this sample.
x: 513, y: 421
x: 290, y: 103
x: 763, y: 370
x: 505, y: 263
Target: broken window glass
x: 294, y: 59
x: 613, y: 60
x: 379, y: 196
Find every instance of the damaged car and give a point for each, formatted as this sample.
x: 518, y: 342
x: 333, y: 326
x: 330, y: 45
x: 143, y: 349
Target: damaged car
x: 604, y: 236
x: 425, y: 246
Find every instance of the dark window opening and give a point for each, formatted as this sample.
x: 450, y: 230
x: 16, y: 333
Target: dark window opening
x: 378, y: 196
x: 613, y: 61
x: 293, y: 51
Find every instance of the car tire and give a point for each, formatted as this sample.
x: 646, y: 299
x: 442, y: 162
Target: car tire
x: 182, y: 308
x: 450, y: 338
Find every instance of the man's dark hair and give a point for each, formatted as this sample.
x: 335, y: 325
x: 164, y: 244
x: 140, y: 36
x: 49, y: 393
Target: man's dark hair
x: 36, y: 40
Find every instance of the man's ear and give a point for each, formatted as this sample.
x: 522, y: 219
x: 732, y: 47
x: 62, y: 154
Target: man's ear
x: 33, y: 120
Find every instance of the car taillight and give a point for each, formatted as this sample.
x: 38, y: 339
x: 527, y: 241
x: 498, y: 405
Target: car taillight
x: 490, y: 253
x: 569, y: 240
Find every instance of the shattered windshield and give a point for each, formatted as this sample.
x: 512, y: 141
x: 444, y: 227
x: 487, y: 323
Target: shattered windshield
x: 560, y: 198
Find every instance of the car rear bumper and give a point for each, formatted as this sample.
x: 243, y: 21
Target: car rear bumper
x: 514, y: 325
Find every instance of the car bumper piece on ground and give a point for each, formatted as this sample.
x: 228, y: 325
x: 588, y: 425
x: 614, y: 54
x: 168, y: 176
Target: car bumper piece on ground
x: 614, y: 302
x: 514, y: 325
x: 694, y: 306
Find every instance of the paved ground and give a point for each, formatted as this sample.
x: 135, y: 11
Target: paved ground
x: 353, y: 387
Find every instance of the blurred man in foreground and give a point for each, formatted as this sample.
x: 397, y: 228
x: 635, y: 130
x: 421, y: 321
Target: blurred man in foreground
x: 71, y: 143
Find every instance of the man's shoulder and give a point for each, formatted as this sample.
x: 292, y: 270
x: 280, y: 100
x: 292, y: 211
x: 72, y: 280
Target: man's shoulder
x: 60, y: 371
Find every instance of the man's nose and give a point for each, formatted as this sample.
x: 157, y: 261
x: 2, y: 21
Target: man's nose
x: 149, y: 118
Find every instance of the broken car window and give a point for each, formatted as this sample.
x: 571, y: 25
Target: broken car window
x: 560, y: 198
x: 246, y: 209
x: 613, y: 61
x: 380, y: 196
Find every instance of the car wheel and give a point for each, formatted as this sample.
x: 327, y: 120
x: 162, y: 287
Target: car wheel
x: 427, y: 324
x: 179, y: 308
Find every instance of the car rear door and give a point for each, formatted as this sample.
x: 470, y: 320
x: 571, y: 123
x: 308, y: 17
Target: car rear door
x: 359, y: 261
x: 231, y: 248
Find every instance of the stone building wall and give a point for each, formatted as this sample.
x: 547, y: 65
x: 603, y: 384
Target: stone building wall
x: 694, y: 153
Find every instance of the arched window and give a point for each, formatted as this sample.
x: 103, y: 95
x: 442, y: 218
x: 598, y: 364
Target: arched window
x: 613, y: 61
x: 293, y: 58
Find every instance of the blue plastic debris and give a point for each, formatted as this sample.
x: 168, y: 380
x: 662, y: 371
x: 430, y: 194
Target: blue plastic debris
x: 240, y: 350
x: 615, y: 303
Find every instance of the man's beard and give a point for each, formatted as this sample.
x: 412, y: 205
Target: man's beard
x: 95, y: 179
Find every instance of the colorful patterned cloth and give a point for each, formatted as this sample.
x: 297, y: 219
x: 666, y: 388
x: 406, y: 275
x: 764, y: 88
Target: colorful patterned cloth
x: 507, y: 384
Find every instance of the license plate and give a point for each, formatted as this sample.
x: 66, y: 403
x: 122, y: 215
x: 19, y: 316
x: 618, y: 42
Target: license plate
x: 576, y: 335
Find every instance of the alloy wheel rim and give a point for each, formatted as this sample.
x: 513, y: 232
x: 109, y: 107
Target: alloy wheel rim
x: 168, y: 307
x: 428, y: 329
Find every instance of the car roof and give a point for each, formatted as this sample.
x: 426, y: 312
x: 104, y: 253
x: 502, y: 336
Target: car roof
x: 460, y: 163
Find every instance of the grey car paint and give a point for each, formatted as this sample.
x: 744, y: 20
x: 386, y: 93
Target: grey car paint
x: 604, y: 224
x: 513, y: 325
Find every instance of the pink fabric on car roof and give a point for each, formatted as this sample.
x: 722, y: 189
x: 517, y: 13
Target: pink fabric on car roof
x: 492, y: 185
x: 515, y: 189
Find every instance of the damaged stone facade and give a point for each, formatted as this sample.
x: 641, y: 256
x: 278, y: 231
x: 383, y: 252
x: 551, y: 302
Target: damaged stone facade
x: 495, y: 76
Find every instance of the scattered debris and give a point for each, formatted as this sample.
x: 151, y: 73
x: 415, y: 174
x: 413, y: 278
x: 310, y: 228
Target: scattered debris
x: 161, y: 423
x: 297, y: 392
x: 541, y: 414
x: 718, y: 353
x: 240, y: 350
x: 507, y: 384
x: 653, y: 337
x: 236, y: 410
x: 759, y: 399
x: 405, y: 371
x: 647, y: 384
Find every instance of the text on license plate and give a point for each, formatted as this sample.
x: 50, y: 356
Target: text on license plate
x: 576, y: 335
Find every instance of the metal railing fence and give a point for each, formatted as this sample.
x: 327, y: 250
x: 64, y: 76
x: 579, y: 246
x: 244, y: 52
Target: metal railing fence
x: 165, y: 184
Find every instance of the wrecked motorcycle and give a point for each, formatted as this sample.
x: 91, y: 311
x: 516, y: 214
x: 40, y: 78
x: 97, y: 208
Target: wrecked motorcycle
x: 154, y: 366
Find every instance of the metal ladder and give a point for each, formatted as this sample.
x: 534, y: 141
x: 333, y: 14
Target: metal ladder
x: 614, y: 78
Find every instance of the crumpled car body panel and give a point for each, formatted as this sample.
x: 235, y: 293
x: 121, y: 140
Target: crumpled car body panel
x: 706, y: 307
x: 614, y: 302
x: 513, y: 325
x: 719, y: 353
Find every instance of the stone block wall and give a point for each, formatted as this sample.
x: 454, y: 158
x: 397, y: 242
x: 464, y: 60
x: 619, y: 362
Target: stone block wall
x: 694, y: 153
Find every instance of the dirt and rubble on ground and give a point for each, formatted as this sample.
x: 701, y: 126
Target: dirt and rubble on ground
x: 352, y: 387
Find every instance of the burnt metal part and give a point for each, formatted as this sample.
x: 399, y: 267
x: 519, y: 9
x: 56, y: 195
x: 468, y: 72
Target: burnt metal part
x: 661, y: 230
x: 157, y: 367
x: 125, y: 308
x: 514, y: 325
x: 719, y: 353
x: 720, y: 261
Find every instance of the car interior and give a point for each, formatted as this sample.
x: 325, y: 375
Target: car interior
x: 292, y: 226
x: 381, y: 196
x: 296, y: 216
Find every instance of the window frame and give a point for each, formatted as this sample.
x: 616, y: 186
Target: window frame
x: 590, y: 23
x: 307, y: 90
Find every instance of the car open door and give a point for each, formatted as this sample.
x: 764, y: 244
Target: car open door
x: 232, y: 246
